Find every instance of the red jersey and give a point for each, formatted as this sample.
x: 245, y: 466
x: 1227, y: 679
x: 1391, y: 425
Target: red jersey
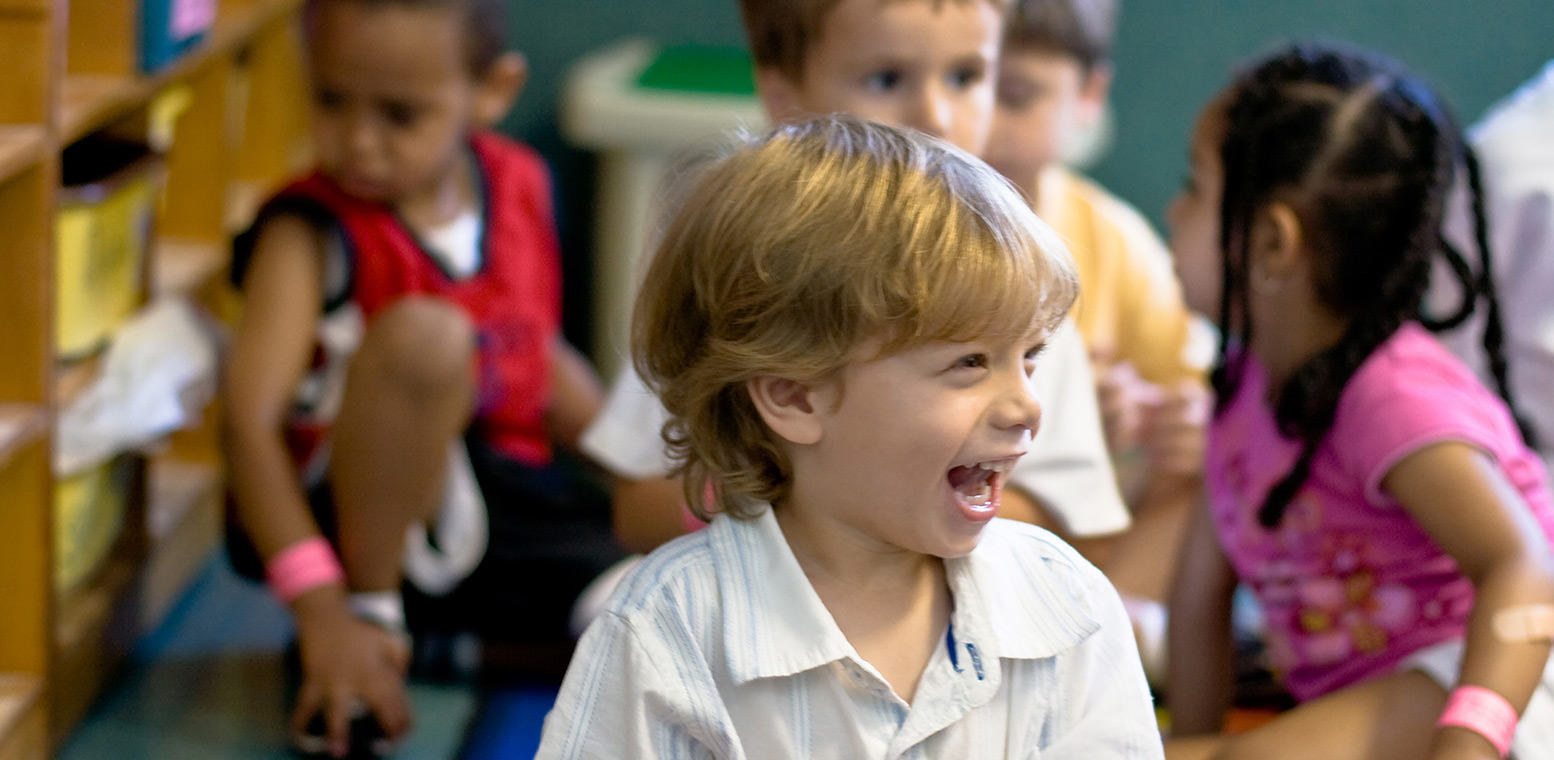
x: 513, y: 298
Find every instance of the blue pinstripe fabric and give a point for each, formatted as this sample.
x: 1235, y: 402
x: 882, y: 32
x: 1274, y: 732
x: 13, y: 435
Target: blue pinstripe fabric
x: 717, y: 647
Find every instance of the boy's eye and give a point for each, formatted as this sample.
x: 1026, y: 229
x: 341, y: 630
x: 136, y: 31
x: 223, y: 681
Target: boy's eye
x: 1031, y: 355
x: 327, y: 99
x: 971, y: 361
x: 400, y: 114
x: 1012, y: 97
x: 883, y: 81
x: 1019, y: 93
x: 967, y: 77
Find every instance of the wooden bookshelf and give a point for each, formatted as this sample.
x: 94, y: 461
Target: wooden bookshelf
x: 183, y: 522
x: 21, y: 146
x: 183, y: 267
x: 92, y: 100
x: 229, y: 117
x: 20, y: 425
x: 22, y: 729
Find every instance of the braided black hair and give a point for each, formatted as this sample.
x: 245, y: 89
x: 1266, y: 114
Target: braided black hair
x: 1366, y: 153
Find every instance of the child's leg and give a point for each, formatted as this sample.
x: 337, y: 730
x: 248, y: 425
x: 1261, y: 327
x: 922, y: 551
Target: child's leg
x: 1389, y: 718
x: 409, y: 392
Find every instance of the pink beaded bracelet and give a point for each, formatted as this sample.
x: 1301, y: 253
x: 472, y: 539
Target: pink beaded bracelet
x: 302, y: 567
x: 1483, y: 711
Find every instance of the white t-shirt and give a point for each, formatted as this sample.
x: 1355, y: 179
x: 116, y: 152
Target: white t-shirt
x: 1067, y: 468
x: 718, y: 646
x: 1515, y: 145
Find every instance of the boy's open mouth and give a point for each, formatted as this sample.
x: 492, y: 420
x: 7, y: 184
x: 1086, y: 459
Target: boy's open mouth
x: 978, y: 484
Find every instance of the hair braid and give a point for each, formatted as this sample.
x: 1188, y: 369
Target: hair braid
x: 1494, y: 327
x: 1366, y: 154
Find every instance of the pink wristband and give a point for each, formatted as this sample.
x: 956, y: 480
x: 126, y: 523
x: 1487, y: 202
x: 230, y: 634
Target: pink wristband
x: 1483, y: 711
x: 302, y: 567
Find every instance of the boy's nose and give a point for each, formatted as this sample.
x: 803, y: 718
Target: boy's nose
x: 1020, y: 407
x: 360, y: 133
x: 933, y: 112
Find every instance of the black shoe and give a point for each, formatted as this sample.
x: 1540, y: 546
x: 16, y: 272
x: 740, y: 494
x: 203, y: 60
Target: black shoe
x: 446, y: 658
x: 366, y: 739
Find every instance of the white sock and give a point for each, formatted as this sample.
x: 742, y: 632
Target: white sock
x: 385, y: 608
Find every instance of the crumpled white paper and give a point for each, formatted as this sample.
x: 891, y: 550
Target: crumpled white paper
x: 157, y: 376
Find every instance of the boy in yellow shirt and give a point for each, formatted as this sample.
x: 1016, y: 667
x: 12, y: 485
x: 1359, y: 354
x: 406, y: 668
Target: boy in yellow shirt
x: 1054, y: 75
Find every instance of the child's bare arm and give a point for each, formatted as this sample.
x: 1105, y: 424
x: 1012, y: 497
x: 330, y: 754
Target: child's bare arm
x: 1199, y: 636
x: 1461, y: 498
x: 343, y: 658
x: 269, y: 354
x: 576, y: 393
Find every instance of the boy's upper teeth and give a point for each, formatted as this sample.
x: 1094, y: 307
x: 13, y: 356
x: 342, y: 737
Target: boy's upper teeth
x: 997, y: 465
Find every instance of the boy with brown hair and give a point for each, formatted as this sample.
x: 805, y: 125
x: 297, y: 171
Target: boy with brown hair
x: 1054, y: 75
x: 849, y: 368
x: 398, y: 382
x: 925, y: 64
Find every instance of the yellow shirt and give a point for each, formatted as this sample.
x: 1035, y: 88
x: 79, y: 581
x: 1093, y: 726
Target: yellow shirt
x: 1130, y: 304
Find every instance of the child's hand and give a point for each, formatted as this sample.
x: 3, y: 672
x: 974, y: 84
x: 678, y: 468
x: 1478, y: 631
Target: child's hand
x: 1174, y: 429
x: 346, y: 663
x: 1124, y: 398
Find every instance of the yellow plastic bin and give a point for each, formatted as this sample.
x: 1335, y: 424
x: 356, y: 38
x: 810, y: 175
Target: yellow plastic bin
x: 89, y: 511
x: 104, y: 230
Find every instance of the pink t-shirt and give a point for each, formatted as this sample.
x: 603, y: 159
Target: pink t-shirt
x: 1349, y: 583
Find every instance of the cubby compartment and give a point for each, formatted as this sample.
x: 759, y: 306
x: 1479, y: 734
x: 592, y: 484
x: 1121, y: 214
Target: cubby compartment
x: 125, y: 161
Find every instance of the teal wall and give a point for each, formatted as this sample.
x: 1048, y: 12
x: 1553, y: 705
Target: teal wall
x: 553, y: 34
x: 1171, y: 56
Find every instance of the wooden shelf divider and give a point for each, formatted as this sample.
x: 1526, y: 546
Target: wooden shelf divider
x: 20, y: 424
x: 182, y: 267
x: 22, y: 733
x: 21, y: 146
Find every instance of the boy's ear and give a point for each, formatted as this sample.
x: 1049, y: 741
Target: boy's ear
x: 779, y: 95
x: 788, y: 407
x: 497, y: 91
x: 1277, y: 240
x: 1094, y: 90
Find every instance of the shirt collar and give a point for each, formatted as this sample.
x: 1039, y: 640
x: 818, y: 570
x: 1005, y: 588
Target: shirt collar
x: 774, y: 623
x: 1011, y: 599
x: 1019, y: 598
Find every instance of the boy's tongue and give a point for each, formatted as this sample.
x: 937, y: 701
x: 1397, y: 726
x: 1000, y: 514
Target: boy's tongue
x: 972, y: 483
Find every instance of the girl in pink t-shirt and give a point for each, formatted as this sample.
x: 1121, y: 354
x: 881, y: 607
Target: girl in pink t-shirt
x: 1380, y: 502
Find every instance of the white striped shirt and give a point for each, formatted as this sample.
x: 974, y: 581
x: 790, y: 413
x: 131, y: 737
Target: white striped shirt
x: 718, y: 647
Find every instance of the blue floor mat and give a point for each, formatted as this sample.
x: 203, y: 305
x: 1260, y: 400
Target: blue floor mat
x: 209, y: 684
x: 507, y: 726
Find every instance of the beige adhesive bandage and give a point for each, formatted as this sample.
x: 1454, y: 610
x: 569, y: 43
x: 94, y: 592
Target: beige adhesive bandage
x: 1527, y: 624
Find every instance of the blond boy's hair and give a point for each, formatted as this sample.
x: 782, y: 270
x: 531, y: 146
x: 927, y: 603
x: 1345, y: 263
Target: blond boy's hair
x: 794, y: 249
x: 780, y: 32
x: 1080, y: 29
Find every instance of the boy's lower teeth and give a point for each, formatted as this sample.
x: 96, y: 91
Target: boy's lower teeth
x: 980, y: 498
x: 983, y: 498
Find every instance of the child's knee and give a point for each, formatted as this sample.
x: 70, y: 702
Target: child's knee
x: 423, y: 344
